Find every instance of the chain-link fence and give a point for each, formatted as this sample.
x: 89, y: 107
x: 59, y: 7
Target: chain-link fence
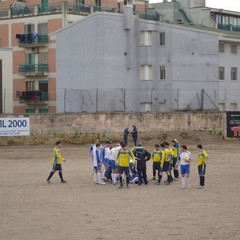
x: 116, y: 100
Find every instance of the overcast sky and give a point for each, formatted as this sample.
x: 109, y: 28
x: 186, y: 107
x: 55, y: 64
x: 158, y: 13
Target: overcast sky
x: 233, y: 5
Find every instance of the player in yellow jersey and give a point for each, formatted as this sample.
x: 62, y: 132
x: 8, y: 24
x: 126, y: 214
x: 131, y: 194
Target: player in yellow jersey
x: 166, y: 162
x: 202, y: 157
x: 156, y: 157
x: 57, y: 160
x: 162, y: 156
x: 123, y: 161
x: 176, y: 152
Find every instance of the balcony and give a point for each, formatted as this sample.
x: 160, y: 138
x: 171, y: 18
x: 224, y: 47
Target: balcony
x: 229, y: 27
x: 32, y: 97
x: 33, y: 69
x: 32, y: 40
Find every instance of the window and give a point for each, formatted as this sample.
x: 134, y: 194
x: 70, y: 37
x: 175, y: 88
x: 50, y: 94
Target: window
x: 146, y: 38
x: 30, y: 58
x: 221, y: 47
x: 29, y: 28
x: 42, y: 58
x: 30, y: 85
x: 233, y: 73
x: 43, y: 28
x: 234, y: 49
x: 221, y: 74
x: 162, y: 74
x: 161, y: 40
x: 233, y: 106
x: 146, y: 107
x: 43, y: 110
x: 30, y: 110
x: 146, y: 72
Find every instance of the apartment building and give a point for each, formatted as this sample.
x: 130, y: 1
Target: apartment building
x: 28, y: 84
x: 139, y: 65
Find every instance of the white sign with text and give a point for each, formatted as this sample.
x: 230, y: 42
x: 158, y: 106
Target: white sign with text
x: 14, y: 127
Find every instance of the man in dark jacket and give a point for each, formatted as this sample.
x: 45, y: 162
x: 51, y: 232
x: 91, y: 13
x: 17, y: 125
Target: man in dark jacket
x: 141, y: 156
x: 134, y: 133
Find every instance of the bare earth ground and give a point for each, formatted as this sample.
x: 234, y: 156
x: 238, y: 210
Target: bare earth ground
x: 32, y: 209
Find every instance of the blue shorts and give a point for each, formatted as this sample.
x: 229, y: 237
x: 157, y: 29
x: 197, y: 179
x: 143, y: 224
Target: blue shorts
x: 112, y: 164
x: 202, y: 169
x: 97, y: 168
x: 156, y: 166
x: 185, y: 169
x: 174, y: 161
x: 123, y: 169
x: 166, y: 167
x: 57, y: 167
x: 106, y: 162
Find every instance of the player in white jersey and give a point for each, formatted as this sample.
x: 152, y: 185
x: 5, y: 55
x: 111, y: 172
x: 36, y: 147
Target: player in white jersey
x: 112, y: 163
x: 185, y: 159
x: 97, y: 164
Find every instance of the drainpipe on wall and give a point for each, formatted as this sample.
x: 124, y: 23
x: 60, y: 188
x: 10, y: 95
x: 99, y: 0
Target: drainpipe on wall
x: 64, y: 14
x: 128, y: 24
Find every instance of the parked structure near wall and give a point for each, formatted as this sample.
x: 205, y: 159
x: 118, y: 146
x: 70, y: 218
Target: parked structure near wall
x: 82, y: 128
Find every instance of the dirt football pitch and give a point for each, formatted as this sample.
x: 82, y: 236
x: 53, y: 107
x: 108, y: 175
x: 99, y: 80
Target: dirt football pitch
x: 31, y: 209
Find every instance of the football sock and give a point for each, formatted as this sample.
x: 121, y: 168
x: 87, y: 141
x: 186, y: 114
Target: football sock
x: 121, y: 182
x: 60, y: 175
x: 159, y: 178
x: 50, y: 175
x: 127, y: 178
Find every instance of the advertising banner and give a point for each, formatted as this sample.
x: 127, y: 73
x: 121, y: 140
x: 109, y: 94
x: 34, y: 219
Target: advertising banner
x: 14, y: 127
x: 233, y: 124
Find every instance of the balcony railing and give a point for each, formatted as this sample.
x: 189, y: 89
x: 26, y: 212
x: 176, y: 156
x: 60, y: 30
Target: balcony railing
x: 32, y: 40
x: 54, y: 8
x: 229, y: 27
x: 33, y: 69
x: 32, y: 97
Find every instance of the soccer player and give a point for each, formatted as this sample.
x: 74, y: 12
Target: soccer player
x: 185, y: 159
x: 57, y: 160
x: 165, y: 163
x: 141, y: 156
x: 175, y: 149
x: 202, y: 157
x: 97, y: 165
x: 156, y: 158
x: 170, y: 153
x: 105, y: 155
x: 93, y: 146
x: 123, y: 160
x: 112, y: 163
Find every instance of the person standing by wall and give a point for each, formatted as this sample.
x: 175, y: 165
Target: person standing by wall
x: 202, y: 157
x: 134, y: 133
x: 125, y: 135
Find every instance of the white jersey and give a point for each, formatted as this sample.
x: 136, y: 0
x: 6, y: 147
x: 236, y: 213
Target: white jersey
x: 96, y: 157
x: 107, y: 153
x: 114, y: 152
x: 182, y: 157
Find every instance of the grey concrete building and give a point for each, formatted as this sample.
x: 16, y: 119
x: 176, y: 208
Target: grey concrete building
x: 122, y: 63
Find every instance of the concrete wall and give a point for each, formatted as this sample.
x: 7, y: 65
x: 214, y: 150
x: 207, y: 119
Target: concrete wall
x: 85, y: 127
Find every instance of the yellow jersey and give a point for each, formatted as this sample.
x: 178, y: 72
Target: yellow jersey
x: 57, y: 156
x: 157, y: 156
x: 123, y: 157
x: 202, y: 157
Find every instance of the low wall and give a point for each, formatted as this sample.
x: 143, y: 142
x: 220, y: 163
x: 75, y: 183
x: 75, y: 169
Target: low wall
x: 82, y: 128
